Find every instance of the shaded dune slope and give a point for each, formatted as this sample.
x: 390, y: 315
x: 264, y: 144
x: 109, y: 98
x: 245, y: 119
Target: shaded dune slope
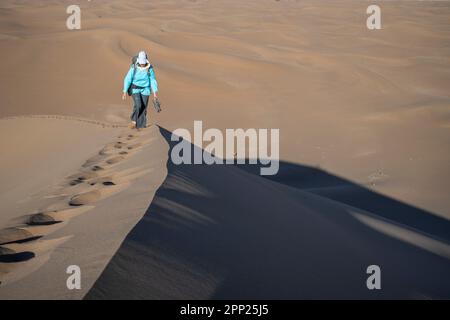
x: 222, y: 232
x: 324, y: 184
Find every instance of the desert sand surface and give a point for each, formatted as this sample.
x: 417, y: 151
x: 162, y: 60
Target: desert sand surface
x: 75, y: 200
x: 364, y: 135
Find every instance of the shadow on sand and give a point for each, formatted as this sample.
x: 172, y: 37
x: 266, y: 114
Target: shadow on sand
x: 224, y: 232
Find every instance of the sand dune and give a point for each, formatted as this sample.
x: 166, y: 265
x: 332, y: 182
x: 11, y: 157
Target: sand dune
x: 82, y: 210
x: 224, y: 232
x: 347, y: 99
x: 364, y: 128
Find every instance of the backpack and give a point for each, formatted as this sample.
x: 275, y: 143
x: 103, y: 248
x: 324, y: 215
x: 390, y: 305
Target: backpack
x: 133, y: 86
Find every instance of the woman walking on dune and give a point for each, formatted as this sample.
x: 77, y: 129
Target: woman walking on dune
x: 140, y: 83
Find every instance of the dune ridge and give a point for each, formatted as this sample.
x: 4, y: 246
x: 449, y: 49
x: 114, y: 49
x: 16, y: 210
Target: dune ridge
x: 71, y: 118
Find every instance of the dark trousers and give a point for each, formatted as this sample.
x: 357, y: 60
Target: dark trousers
x: 139, y: 114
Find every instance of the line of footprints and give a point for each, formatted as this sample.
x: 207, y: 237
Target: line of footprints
x: 97, y: 179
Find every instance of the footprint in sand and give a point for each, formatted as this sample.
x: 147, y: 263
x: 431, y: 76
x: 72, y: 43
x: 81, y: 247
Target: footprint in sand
x: 134, y: 146
x: 114, y: 147
x: 16, y: 235
x: 104, y: 152
x: 127, y: 136
x: 109, y: 151
x: 5, y: 251
x: 85, y: 198
x: 75, y: 182
x: 13, y: 238
x: 93, y: 160
x: 114, y: 160
x: 130, y: 137
x: 119, y: 145
x: 42, y: 219
x: 107, y: 186
x: 106, y: 181
x: 111, y: 148
x: 10, y: 256
x: 82, y: 177
x: 40, y: 224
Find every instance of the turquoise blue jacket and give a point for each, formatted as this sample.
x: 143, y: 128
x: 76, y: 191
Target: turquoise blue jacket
x: 142, y: 78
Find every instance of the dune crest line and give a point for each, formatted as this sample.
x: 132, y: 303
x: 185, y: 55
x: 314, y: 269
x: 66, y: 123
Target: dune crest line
x: 103, y: 124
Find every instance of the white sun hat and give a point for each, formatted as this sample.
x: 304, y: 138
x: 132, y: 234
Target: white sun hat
x: 142, y: 58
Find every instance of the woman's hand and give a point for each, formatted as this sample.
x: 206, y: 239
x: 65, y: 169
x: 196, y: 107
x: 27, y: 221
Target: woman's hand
x: 124, y: 96
x: 155, y: 96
